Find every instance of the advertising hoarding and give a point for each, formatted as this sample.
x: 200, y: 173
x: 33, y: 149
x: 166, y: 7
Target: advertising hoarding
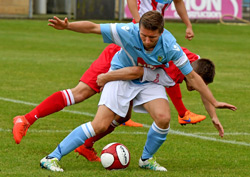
x: 203, y: 9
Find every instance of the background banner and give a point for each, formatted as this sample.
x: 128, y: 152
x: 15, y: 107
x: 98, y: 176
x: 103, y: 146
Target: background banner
x: 203, y: 9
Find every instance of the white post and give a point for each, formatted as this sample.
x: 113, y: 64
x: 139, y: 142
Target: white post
x: 30, y: 8
x: 75, y: 8
x: 68, y: 8
x: 120, y: 10
x: 41, y: 6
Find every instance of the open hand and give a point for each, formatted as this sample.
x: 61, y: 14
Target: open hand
x: 222, y: 105
x: 218, y: 126
x: 58, y: 24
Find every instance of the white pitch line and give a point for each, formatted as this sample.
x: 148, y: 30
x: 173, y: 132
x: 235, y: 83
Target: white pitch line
x: 143, y: 133
x: 125, y: 132
x: 234, y: 134
x: 195, y: 135
x: 17, y: 101
x: 209, y: 138
x: 34, y: 104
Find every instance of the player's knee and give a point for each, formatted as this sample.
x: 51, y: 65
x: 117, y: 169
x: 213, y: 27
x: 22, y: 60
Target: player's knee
x: 100, y: 128
x: 162, y: 120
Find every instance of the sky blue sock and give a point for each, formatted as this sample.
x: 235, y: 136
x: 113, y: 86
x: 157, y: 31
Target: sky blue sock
x: 156, y: 136
x: 76, y: 138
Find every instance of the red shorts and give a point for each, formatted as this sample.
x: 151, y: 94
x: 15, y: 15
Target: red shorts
x: 99, y: 66
x: 174, y: 72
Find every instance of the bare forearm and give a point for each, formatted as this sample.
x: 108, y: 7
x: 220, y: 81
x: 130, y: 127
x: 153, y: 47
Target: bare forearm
x: 84, y: 27
x: 209, y: 108
x: 196, y: 81
x: 80, y: 26
x: 182, y: 12
x: 127, y: 73
x: 212, y: 113
x: 132, y: 5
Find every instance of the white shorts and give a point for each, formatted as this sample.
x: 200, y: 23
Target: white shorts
x: 158, y: 76
x: 116, y: 95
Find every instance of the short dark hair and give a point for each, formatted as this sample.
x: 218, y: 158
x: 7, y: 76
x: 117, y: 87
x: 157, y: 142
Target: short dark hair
x: 152, y: 20
x: 205, y: 68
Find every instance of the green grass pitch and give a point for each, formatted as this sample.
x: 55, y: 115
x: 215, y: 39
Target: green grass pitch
x: 36, y: 61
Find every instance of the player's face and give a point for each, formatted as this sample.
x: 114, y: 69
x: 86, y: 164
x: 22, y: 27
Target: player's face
x: 149, y: 38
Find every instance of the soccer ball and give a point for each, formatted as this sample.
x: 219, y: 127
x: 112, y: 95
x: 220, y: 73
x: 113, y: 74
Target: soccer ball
x: 115, y: 156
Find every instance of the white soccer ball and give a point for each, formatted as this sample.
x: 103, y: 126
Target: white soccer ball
x: 115, y: 156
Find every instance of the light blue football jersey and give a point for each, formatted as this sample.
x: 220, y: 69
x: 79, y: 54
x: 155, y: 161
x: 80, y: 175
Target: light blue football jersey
x: 132, y: 52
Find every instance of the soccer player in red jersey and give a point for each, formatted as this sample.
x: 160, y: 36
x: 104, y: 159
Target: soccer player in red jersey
x: 87, y: 86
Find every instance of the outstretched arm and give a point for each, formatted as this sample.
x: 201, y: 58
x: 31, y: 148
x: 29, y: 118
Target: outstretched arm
x: 198, y: 84
x: 182, y: 12
x: 80, y: 26
x: 212, y: 113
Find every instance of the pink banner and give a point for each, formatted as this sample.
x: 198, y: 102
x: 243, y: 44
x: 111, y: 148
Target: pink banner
x: 203, y: 9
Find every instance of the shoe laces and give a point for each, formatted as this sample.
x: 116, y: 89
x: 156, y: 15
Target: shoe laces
x: 24, y: 124
x: 191, y: 113
x: 153, y: 162
x: 188, y: 114
x: 54, y: 162
x: 92, y: 150
x: 89, y: 150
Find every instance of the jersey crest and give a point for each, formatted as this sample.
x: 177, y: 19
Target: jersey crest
x: 159, y: 58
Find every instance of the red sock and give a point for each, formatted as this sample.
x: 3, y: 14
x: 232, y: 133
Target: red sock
x: 175, y: 95
x: 52, y: 104
x: 90, y: 142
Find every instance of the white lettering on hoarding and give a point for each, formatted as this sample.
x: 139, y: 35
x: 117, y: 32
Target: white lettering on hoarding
x: 236, y: 8
x: 216, y: 4
x: 205, y: 14
x: 206, y: 8
x: 204, y: 5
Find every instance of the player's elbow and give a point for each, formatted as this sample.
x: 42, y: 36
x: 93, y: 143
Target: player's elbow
x: 136, y: 72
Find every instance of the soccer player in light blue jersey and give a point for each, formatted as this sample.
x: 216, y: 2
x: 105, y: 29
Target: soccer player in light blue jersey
x: 147, y: 45
x: 139, y: 48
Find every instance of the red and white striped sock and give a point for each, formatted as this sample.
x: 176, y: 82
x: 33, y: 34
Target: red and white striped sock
x: 50, y: 105
x: 68, y: 97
